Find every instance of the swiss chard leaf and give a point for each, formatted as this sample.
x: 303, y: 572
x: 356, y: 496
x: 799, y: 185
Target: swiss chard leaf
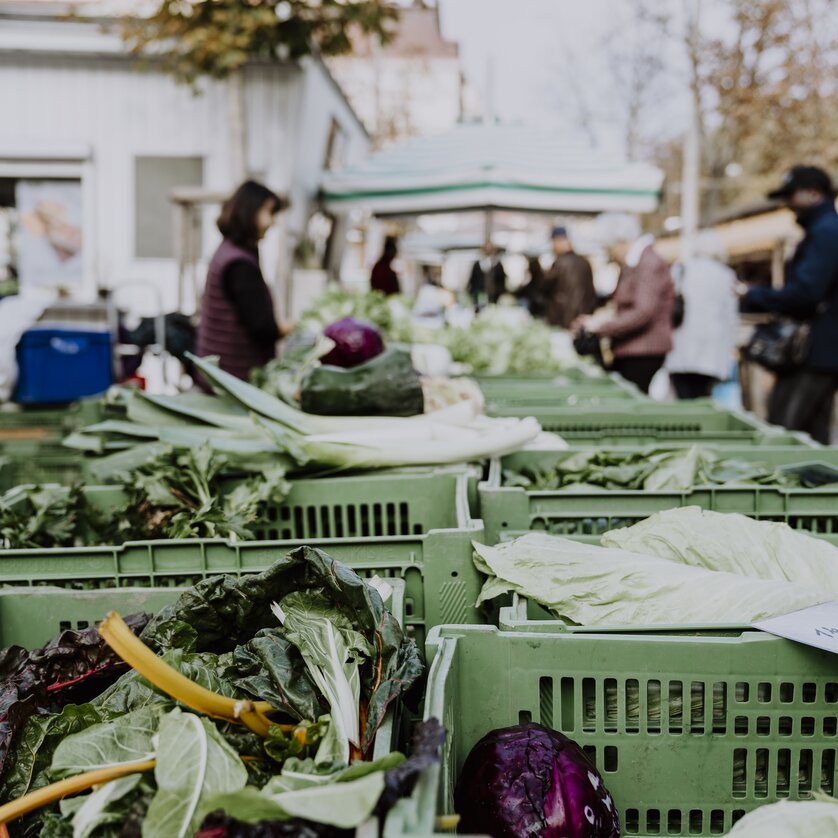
x: 271, y: 668
x: 122, y: 740
x: 74, y: 667
x: 226, y: 612
x: 194, y: 763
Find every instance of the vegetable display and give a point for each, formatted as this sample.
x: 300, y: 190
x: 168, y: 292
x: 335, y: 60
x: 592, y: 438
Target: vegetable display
x: 386, y: 385
x: 355, y: 342
x: 595, y: 586
x: 174, y: 494
x: 791, y: 819
x: 650, y: 470
x: 256, y: 430
x: 499, y: 341
x: 391, y: 315
x: 734, y: 544
x: 529, y: 780
x: 259, y: 697
x: 496, y: 343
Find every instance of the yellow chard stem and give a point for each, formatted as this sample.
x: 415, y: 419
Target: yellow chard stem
x: 65, y: 788
x: 137, y: 655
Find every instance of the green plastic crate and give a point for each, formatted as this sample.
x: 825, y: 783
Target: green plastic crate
x: 412, y: 526
x: 770, y: 732
x: 48, y: 423
x: 592, y: 512
x: 30, y: 461
x: 32, y: 616
x: 558, y: 397
x: 557, y: 392
x: 31, y: 449
x: 651, y: 423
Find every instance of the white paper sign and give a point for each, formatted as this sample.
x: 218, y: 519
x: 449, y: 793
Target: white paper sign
x: 815, y: 626
x: 51, y: 233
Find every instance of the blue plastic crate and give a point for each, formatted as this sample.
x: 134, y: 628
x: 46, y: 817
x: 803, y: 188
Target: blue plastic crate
x: 62, y: 365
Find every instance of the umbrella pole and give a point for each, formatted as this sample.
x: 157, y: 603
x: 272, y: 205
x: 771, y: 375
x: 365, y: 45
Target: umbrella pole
x: 488, y: 225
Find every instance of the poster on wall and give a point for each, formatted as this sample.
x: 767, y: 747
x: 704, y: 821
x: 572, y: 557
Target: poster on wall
x: 50, y: 253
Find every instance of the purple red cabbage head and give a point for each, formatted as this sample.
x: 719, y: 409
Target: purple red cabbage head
x: 355, y: 342
x: 532, y: 781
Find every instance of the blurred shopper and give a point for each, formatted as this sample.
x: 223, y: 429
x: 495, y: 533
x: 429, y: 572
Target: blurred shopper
x: 704, y: 343
x: 531, y: 293
x: 384, y: 278
x: 487, y: 283
x: 641, y: 327
x: 569, y: 291
x: 802, y: 398
x: 237, y: 320
x: 431, y: 298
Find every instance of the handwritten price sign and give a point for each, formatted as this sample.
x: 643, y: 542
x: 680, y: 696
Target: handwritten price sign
x: 815, y: 626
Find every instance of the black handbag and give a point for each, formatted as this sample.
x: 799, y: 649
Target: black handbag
x: 678, y: 311
x: 779, y: 346
x: 678, y: 307
x: 587, y: 344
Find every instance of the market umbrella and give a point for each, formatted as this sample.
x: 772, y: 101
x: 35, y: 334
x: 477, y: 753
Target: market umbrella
x: 487, y: 166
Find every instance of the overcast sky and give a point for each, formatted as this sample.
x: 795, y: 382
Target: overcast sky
x: 552, y: 59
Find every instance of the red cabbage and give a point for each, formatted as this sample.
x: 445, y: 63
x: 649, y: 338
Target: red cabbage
x: 355, y: 342
x: 532, y: 781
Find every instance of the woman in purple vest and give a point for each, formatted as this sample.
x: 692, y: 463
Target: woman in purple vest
x: 237, y: 313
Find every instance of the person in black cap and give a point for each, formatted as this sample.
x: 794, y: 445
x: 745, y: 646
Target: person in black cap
x: 802, y: 398
x: 569, y: 284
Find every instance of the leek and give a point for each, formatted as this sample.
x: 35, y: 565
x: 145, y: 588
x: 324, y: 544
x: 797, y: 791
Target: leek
x: 248, y: 422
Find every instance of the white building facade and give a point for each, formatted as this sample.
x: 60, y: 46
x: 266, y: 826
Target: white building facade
x: 76, y: 110
x: 412, y: 86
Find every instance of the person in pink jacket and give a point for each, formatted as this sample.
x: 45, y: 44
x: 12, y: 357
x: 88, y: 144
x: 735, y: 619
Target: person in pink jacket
x: 640, y: 328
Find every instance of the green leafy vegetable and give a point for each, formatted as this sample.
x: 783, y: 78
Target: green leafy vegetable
x: 194, y: 764
x: 386, y: 385
x: 343, y: 803
x: 125, y: 739
x: 223, y: 637
x: 649, y: 470
x: 733, y: 544
x: 390, y: 314
x: 333, y: 651
x: 172, y: 494
x: 591, y: 585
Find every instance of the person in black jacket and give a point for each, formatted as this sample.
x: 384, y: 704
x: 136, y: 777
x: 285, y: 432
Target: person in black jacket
x: 488, y: 278
x: 802, y: 399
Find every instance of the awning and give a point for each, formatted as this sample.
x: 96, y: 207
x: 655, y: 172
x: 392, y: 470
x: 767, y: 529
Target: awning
x: 482, y: 166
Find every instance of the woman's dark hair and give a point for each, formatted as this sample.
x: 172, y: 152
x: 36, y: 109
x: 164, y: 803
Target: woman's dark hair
x: 237, y: 221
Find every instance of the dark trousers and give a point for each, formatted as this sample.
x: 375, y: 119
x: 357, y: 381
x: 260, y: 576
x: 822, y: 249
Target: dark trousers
x: 640, y: 370
x: 802, y: 401
x: 692, y: 385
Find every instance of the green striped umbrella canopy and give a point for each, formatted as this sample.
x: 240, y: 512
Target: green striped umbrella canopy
x: 494, y: 166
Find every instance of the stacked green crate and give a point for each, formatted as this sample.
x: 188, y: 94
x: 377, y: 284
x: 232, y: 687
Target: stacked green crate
x: 415, y: 525
x: 650, y: 423
x: 31, y: 449
x: 592, y: 511
x: 688, y: 732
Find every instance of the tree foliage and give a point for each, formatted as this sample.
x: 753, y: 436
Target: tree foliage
x: 771, y: 94
x: 767, y: 86
x: 194, y: 38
